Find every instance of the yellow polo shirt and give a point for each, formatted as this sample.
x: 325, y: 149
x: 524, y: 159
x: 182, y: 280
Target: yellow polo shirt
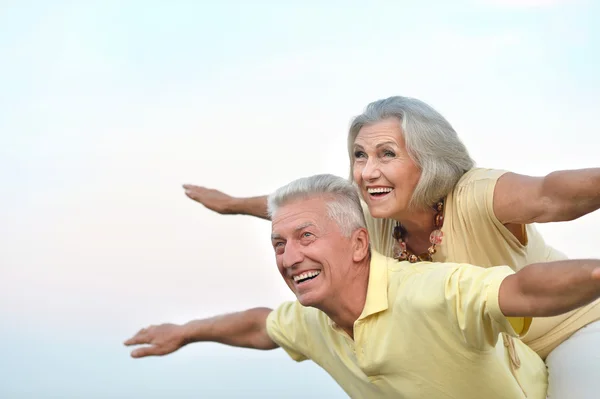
x: 473, y: 234
x: 427, y: 331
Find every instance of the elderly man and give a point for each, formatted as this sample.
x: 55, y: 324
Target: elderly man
x: 383, y: 328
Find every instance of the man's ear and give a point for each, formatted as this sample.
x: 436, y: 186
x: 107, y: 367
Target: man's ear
x: 360, y: 244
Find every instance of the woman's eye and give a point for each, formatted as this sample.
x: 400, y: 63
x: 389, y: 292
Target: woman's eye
x: 388, y: 153
x: 359, y: 154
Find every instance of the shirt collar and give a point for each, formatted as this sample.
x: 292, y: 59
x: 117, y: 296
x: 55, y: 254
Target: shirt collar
x: 377, y: 291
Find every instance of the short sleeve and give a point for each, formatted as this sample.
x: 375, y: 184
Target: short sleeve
x: 472, y: 300
x: 380, y: 232
x: 477, y: 236
x: 475, y: 195
x: 285, y: 326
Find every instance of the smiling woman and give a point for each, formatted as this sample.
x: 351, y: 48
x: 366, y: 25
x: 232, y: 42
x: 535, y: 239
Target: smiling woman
x: 425, y: 200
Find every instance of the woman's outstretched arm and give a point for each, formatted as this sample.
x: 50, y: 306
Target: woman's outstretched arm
x: 225, y: 204
x: 560, y: 196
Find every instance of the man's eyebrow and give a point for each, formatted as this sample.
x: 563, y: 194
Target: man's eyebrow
x: 303, y: 226
x: 275, y: 236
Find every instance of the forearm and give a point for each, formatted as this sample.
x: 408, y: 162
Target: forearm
x: 553, y: 288
x: 252, y: 206
x: 572, y: 193
x: 244, y: 329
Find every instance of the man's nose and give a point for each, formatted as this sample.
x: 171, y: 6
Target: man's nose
x: 292, y: 255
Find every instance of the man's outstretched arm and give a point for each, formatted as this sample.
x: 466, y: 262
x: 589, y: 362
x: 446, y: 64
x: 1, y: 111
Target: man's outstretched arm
x: 550, y: 289
x: 225, y: 204
x: 247, y: 329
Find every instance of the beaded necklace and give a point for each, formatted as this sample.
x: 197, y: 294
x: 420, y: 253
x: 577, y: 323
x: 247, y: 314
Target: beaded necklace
x: 435, y: 238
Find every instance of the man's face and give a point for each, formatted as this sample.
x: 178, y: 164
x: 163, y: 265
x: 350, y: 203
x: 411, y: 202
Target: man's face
x: 312, y: 254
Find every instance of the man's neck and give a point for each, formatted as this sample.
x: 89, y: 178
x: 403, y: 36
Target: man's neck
x: 347, y: 306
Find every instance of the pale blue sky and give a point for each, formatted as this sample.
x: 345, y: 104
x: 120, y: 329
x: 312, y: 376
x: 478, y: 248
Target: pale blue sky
x: 106, y: 107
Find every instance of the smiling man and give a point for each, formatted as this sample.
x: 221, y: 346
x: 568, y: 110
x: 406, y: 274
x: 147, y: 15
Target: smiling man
x: 383, y: 328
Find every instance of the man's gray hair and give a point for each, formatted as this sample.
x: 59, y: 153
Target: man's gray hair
x: 343, y: 202
x: 430, y: 141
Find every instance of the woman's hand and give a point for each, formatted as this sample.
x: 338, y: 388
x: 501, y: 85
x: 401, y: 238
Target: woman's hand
x: 225, y: 204
x: 212, y: 199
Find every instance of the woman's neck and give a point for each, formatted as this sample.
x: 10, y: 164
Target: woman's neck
x: 418, y: 223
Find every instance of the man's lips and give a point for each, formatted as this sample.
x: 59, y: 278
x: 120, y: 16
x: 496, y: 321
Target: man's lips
x: 307, y: 275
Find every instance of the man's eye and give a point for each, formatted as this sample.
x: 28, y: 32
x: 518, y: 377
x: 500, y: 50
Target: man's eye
x: 306, y: 234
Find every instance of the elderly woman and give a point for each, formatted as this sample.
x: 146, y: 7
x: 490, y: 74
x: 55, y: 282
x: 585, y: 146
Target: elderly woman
x: 425, y: 200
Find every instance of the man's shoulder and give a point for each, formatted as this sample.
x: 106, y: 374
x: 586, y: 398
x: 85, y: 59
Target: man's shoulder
x: 399, y: 269
x: 293, y: 313
x: 428, y: 279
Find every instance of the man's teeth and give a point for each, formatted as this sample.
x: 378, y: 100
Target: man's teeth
x: 306, y: 275
x: 379, y: 190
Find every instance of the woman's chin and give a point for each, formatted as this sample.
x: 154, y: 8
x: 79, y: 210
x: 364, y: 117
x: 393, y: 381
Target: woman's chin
x: 380, y: 212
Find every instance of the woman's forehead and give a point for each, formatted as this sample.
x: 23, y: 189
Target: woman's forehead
x: 391, y: 128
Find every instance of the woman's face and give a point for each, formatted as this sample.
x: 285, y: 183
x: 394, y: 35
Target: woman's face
x: 382, y: 169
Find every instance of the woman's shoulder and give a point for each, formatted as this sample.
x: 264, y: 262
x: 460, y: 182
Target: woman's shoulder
x: 480, y: 175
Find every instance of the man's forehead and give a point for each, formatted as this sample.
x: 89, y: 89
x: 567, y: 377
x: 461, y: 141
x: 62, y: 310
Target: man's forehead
x: 299, y: 215
x: 278, y: 233
x: 296, y: 221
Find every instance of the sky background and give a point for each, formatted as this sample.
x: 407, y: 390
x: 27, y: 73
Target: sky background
x: 107, y: 107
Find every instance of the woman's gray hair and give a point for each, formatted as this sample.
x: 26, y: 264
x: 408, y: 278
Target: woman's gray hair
x: 430, y: 142
x: 343, y: 202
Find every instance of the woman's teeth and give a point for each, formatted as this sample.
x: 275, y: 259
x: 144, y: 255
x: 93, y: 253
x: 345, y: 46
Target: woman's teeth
x: 379, y: 190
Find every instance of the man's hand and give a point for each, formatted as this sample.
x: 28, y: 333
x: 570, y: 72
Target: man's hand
x: 161, y: 340
x: 212, y: 199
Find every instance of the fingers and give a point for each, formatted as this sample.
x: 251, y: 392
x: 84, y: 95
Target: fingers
x: 140, y: 338
x: 191, y: 187
x: 145, y: 351
x: 156, y: 340
x: 192, y: 191
x: 135, y: 340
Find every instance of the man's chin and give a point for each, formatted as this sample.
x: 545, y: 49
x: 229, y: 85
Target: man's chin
x: 308, y: 300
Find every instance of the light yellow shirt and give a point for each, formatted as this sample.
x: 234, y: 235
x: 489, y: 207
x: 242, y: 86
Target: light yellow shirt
x: 426, y: 331
x: 473, y: 234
